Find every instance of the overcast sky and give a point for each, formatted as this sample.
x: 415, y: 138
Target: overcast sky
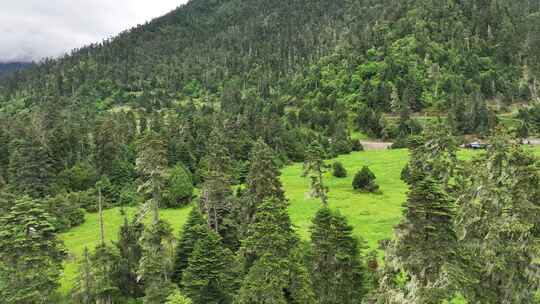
x: 33, y: 29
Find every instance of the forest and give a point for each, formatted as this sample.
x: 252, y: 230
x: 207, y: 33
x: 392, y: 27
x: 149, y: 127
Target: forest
x: 199, y: 130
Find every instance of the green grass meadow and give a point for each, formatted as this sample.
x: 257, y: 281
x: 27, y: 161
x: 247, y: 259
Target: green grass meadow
x: 372, y: 215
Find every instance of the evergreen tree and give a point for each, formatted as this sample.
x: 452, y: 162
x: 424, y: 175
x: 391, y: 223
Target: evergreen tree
x: 425, y: 248
x: 155, y: 265
x: 191, y: 232
x: 271, y: 259
x: 83, y: 291
x: 208, y: 278
x: 497, y: 224
x: 338, y: 170
x: 177, y: 298
x: 335, y: 261
x: 30, y: 168
x: 314, y: 168
x: 178, y: 189
x: 364, y: 180
x: 104, y: 262
x: 30, y: 254
x: 262, y: 181
x: 151, y: 164
x: 130, y: 252
x: 217, y: 201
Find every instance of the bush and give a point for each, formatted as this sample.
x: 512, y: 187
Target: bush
x: 178, y: 189
x: 364, y: 180
x: 66, y: 211
x: 357, y: 145
x: 338, y: 170
x: 406, y: 173
x: 80, y: 177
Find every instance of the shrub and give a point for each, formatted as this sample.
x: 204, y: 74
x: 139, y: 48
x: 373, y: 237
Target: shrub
x: 364, y: 180
x: 357, y: 145
x: 80, y: 177
x: 66, y: 211
x: 338, y: 170
x: 178, y: 189
x: 406, y: 173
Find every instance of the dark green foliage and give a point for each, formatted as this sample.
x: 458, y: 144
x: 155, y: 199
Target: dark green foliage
x: 217, y: 201
x: 497, y: 224
x: 357, y: 145
x: 335, y: 260
x: 30, y: 254
x: 364, y: 180
x: 406, y: 174
x: 66, y: 212
x: 262, y: 181
x: 191, y: 232
x: 156, y: 262
x: 80, y: 177
x: 178, y: 189
x: 426, y: 243
x: 338, y: 170
x: 208, y: 278
x: 272, y: 261
x: 30, y: 168
x: 130, y: 252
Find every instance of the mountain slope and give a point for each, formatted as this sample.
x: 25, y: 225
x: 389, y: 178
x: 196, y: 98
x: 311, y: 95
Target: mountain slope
x: 8, y: 68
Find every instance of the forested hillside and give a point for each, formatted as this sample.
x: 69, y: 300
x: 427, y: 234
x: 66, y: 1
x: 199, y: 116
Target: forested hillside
x: 204, y: 105
x: 8, y: 68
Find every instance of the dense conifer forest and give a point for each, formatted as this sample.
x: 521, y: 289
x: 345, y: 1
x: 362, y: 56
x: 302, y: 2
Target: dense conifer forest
x: 203, y: 107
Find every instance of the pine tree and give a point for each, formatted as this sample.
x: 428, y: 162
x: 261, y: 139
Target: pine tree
x: 314, y: 168
x: 104, y: 262
x: 426, y: 244
x: 152, y: 164
x: 262, y: 181
x: 217, y: 201
x: 155, y: 265
x: 30, y: 168
x: 272, y: 261
x: 30, y: 254
x: 208, y: 278
x: 425, y: 247
x: 130, y: 253
x: 191, y: 232
x: 336, y: 268
x: 83, y: 291
x: 497, y: 224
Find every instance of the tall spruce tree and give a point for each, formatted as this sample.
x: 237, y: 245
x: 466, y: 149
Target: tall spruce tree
x: 208, y: 279
x: 191, y: 232
x: 497, y: 224
x: 152, y: 164
x: 155, y: 265
x: 272, y: 261
x: 425, y: 247
x: 130, y: 252
x: 335, y: 260
x: 30, y: 168
x: 217, y: 201
x: 262, y: 181
x: 83, y: 291
x: 314, y: 168
x: 30, y: 254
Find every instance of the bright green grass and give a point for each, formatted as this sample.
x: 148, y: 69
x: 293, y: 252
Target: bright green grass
x: 372, y: 215
x: 87, y: 235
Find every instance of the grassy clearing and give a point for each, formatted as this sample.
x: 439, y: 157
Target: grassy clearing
x: 87, y: 235
x: 372, y: 215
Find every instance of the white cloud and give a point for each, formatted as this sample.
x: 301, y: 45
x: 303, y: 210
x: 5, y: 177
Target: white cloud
x: 33, y: 29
